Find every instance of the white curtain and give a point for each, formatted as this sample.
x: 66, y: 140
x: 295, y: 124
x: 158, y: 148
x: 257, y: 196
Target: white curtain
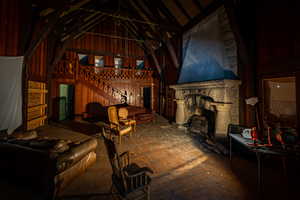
x: 10, y: 92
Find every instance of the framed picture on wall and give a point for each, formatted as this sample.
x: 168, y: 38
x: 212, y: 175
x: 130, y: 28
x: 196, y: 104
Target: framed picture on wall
x: 118, y: 62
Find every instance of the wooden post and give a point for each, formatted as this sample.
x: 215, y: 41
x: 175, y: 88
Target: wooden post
x: 172, y: 53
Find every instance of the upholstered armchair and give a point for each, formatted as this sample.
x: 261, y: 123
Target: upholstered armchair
x: 123, y: 118
x: 119, y: 128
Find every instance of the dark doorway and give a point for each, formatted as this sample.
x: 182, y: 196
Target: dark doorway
x: 66, y: 102
x: 147, y: 97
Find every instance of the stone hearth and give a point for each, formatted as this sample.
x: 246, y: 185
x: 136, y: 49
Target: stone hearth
x: 225, y: 102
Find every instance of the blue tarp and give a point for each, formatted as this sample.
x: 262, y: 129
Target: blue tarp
x: 203, y: 53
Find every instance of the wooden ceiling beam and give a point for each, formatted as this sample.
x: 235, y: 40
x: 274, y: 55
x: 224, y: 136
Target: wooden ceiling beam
x: 138, y: 4
x: 165, y: 39
x: 43, y: 34
x: 74, y: 7
x: 172, y: 52
x: 161, y: 6
x: 147, y: 47
x: 79, y: 27
x: 153, y: 30
x: 185, y: 13
x: 198, y: 4
x: 130, y: 27
x: 141, y: 13
x: 88, y: 27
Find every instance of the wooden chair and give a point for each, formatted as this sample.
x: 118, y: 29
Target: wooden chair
x: 123, y: 118
x: 118, y: 128
x: 128, y: 179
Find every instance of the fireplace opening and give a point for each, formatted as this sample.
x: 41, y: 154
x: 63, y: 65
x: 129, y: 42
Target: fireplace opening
x: 203, y: 121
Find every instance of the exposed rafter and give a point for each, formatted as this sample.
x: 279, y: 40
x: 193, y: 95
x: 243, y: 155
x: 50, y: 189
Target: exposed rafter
x: 114, y: 36
x: 168, y: 27
x: 165, y: 39
x: 198, y: 4
x: 178, y: 4
x: 81, y: 26
x: 147, y: 46
x: 166, y: 12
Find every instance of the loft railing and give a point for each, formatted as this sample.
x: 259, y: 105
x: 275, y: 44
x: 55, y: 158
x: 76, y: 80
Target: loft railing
x: 65, y: 68
x: 111, y: 73
x: 70, y: 68
x: 99, y: 75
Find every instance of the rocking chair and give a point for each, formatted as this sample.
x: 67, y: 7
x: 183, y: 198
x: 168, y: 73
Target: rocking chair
x: 128, y: 179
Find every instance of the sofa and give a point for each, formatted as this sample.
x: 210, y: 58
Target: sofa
x: 48, y: 165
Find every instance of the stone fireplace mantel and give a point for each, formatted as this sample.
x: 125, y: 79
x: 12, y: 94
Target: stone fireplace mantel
x: 225, y: 95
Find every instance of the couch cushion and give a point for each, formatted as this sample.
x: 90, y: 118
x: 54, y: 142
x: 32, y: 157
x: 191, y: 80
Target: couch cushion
x: 75, y: 153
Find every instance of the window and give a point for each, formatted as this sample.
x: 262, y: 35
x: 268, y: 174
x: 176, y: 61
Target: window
x: 118, y: 62
x: 99, y: 61
x: 140, y: 64
x: 83, y: 59
x: 280, y: 102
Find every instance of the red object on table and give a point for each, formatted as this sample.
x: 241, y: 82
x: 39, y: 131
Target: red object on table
x: 254, y: 134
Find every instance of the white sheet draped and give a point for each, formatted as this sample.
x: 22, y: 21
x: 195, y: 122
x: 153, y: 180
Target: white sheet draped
x: 10, y: 92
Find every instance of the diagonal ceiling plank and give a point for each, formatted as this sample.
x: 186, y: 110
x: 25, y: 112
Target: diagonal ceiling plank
x: 172, y: 52
x: 178, y: 4
x: 140, y: 5
x: 74, y: 7
x: 161, y: 6
x: 144, y: 31
x: 88, y: 27
x: 147, y: 47
x: 167, y: 42
x: 198, y: 4
x: 80, y: 26
x: 141, y: 12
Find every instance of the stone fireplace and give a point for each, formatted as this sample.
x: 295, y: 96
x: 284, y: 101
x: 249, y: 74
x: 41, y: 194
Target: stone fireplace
x: 223, y: 98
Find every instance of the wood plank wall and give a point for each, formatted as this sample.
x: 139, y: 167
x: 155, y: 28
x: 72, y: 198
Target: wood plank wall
x: 10, y: 27
x: 278, y: 42
x: 128, y: 49
x: 37, y: 64
x: 14, y: 20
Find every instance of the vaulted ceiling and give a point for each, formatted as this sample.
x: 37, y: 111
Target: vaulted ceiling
x: 146, y: 18
x: 154, y: 22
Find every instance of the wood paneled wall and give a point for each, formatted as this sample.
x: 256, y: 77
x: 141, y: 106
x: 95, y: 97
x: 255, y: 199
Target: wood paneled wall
x: 10, y: 27
x: 103, y: 44
x: 87, y: 95
x: 37, y: 64
x: 278, y: 41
